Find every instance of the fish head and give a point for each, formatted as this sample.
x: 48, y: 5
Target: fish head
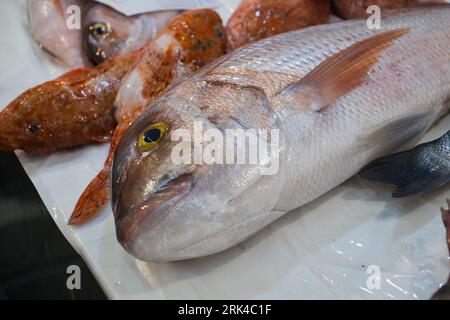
x: 22, y: 126
x: 105, y: 32
x: 59, y: 114
x: 169, y: 205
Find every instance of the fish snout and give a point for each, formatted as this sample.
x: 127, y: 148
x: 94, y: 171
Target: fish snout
x: 135, y: 225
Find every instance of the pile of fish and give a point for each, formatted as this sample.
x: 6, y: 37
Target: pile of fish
x: 340, y: 96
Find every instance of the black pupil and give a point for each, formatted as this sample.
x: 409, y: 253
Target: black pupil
x: 152, y: 135
x: 100, y: 30
x: 33, y: 128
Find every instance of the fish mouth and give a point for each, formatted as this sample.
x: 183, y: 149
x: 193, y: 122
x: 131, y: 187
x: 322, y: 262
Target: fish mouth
x: 133, y: 223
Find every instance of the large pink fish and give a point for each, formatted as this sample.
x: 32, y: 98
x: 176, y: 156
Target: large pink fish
x: 340, y: 95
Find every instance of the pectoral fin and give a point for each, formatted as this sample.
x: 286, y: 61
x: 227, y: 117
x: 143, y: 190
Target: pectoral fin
x: 343, y: 72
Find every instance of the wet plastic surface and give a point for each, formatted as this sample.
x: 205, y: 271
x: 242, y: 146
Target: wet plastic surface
x: 322, y: 250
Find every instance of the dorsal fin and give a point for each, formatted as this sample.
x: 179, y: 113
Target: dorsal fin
x: 343, y: 72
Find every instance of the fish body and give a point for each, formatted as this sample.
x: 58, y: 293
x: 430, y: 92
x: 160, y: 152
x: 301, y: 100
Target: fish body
x: 48, y: 22
x: 189, y: 41
x: 254, y: 20
x: 108, y: 33
x: 339, y: 95
x: 70, y: 111
x: 414, y: 172
x: 353, y: 9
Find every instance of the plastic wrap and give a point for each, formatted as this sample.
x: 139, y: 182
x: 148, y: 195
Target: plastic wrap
x: 323, y: 250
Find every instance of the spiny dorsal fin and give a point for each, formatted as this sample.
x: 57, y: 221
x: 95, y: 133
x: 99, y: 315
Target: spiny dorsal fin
x: 343, y: 72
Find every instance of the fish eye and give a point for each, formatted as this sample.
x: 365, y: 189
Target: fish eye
x: 34, y: 128
x: 100, y: 30
x: 152, y: 136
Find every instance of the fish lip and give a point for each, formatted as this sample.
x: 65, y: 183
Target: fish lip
x: 146, y: 215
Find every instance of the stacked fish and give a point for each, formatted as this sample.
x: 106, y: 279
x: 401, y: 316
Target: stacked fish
x: 339, y: 94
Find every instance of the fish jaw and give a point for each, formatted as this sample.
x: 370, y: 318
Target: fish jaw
x: 134, y: 224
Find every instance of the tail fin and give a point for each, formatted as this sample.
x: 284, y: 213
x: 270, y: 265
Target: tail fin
x: 98, y: 193
x: 93, y: 198
x: 404, y: 171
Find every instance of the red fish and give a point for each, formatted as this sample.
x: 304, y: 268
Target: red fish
x: 72, y: 110
x: 258, y: 19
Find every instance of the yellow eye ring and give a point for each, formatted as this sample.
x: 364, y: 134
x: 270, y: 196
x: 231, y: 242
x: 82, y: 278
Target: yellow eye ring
x: 152, y: 136
x: 100, y: 30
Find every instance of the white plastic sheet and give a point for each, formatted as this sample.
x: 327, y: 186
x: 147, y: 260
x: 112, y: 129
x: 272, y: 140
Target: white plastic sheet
x: 323, y: 250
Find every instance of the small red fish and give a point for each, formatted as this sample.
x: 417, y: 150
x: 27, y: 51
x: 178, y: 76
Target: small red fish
x: 254, y: 20
x: 72, y: 110
x: 190, y: 41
